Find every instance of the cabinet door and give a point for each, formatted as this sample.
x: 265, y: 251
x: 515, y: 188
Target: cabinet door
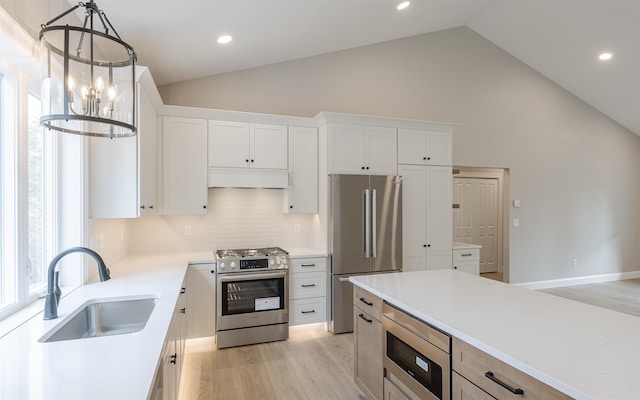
x: 201, y: 301
x: 303, y: 171
x: 413, y: 217
x: 381, y: 154
x: 412, y: 146
x: 368, y: 372
x: 229, y: 144
x: 462, y: 389
x: 147, y: 156
x: 346, y: 149
x: 184, y: 166
x: 439, y: 217
x: 438, y: 146
x: 269, y: 144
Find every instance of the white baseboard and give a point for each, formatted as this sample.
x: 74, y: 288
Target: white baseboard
x: 582, y: 280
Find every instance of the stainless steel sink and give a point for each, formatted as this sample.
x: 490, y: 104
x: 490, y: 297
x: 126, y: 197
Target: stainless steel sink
x: 104, y: 317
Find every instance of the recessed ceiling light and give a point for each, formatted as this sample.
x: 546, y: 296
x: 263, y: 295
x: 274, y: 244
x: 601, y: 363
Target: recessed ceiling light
x: 224, y: 39
x: 403, y: 5
x: 605, y: 56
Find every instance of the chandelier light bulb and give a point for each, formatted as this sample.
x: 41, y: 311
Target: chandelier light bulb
x: 99, y: 84
x: 84, y: 92
x: 72, y: 84
x: 111, y: 92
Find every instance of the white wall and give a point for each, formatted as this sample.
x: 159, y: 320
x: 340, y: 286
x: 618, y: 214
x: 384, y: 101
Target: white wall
x: 574, y: 170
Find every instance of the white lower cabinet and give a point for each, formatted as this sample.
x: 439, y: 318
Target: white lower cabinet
x: 201, y: 301
x: 166, y: 385
x: 307, y: 290
x: 466, y: 260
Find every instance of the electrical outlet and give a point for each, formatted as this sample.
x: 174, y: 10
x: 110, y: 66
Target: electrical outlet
x: 575, y: 262
x: 101, y: 241
x: 187, y: 230
x: 516, y: 222
x: 296, y: 228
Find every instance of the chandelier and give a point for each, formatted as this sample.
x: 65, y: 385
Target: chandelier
x: 89, y: 77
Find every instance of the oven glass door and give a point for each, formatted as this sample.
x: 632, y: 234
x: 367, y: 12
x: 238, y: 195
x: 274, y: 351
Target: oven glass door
x: 425, y: 371
x: 256, y: 294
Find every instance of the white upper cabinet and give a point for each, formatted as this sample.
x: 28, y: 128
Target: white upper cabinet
x: 123, y: 170
x: 302, y: 194
x: 421, y: 147
x: 360, y: 149
x: 247, y: 145
x: 184, y: 165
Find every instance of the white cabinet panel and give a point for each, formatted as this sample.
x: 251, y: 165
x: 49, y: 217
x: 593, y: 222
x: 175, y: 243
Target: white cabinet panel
x: 302, y: 195
x: 201, y: 301
x: 381, y: 154
x: 269, y: 144
x: 229, y: 144
x: 346, y: 149
x: 421, y: 147
x: 426, y: 223
x: 307, y: 311
x: 184, y: 166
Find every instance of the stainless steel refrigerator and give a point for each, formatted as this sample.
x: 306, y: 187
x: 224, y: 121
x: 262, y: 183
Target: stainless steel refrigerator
x: 365, y: 236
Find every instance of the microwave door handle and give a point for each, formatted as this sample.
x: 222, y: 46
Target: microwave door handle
x: 374, y: 224
x: 367, y: 224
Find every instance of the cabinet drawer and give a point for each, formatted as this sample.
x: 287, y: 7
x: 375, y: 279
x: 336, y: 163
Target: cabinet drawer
x: 475, y: 365
x: 367, y: 302
x: 465, y: 390
x: 466, y: 254
x: 470, y: 267
x: 307, y: 265
x: 304, y: 286
x: 306, y: 311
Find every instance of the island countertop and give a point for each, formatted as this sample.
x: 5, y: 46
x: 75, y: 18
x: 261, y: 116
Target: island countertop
x: 108, y: 367
x: 584, y: 351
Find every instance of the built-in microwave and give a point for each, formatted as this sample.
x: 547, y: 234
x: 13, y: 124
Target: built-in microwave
x: 417, y: 354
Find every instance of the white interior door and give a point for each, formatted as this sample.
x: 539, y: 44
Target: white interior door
x: 476, y: 221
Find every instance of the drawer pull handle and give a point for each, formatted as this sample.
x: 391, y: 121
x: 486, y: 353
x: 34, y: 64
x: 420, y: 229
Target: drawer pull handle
x: 308, y: 312
x: 368, y: 321
x: 308, y: 265
x: 489, y: 375
x: 310, y: 285
x: 466, y: 254
x: 366, y: 302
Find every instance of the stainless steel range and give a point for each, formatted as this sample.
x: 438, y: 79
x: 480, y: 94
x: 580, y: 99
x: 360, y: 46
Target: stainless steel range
x: 253, y: 296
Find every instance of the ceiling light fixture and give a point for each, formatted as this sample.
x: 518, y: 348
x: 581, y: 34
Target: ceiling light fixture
x: 403, y: 5
x: 605, y: 56
x: 89, y: 77
x: 224, y: 39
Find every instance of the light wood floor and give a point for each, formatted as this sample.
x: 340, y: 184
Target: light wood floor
x: 311, y: 364
x: 622, y: 296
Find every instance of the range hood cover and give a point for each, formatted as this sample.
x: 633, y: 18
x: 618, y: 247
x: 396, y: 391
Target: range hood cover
x: 248, y: 178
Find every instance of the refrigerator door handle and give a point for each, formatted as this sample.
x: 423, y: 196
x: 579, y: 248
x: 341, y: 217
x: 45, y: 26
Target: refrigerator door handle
x: 367, y: 224
x: 374, y: 223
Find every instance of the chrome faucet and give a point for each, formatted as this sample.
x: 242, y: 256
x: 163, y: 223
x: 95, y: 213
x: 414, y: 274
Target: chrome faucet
x: 53, y: 289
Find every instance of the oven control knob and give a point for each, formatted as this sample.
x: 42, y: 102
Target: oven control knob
x: 272, y: 262
x: 222, y: 265
x: 233, y: 264
x: 279, y: 262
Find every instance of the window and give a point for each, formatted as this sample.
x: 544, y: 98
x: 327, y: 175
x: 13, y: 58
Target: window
x: 32, y: 177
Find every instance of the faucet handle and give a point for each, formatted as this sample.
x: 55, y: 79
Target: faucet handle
x: 56, y: 285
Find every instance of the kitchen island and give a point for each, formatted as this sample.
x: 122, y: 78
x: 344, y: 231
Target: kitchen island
x: 583, y: 351
x: 108, y: 367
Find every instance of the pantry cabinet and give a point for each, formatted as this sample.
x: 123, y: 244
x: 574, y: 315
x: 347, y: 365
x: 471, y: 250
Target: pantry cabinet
x: 420, y: 147
x: 427, y: 217
x: 302, y: 194
x: 184, y: 166
x: 361, y: 149
x: 123, y: 170
x: 247, y: 145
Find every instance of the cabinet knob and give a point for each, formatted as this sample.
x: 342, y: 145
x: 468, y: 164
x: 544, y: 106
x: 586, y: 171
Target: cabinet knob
x: 367, y: 167
x: 428, y: 245
x: 362, y: 167
x: 251, y: 160
x: 205, y: 206
x: 183, y: 310
x: 142, y: 207
x: 424, y: 245
x: 246, y: 160
x: 424, y: 158
x: 428, y: 158
x: 151, y: 207
x: 290, y: 206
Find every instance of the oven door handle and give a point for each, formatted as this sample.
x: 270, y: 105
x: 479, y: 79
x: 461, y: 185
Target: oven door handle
x: 251, y: 277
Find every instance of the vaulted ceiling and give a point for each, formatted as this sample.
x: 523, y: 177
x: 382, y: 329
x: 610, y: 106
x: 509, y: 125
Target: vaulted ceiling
x: 561, y: 39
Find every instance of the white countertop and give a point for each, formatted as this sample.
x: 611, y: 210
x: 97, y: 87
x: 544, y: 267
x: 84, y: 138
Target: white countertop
x: 109, y: 367
x: 462, y: 245
x: 585, y: 351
